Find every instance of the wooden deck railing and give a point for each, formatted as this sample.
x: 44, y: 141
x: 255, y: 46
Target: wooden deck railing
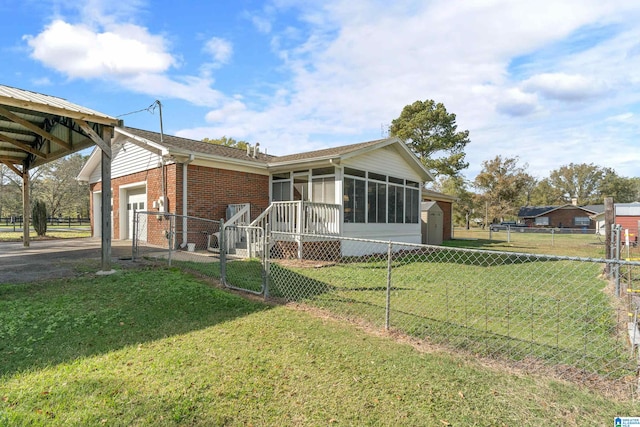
x: 300, y: 217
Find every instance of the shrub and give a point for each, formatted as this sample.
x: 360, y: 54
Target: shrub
x: 39, y: 217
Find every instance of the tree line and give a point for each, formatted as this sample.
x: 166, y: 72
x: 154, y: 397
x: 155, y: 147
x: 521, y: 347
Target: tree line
x: 504, y: 184
x: 53, y: 183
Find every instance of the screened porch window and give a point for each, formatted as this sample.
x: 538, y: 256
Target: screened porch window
x: 377, y: 200
x: 281, y: 187
x: 354, y: 200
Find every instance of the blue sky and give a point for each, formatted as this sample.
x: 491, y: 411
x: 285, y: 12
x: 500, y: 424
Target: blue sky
x: 553, y: 82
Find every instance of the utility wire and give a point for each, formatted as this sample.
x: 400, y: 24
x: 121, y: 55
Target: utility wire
x: 151, y: 109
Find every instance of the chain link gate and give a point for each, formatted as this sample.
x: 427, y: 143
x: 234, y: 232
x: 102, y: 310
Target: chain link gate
x: 244, y: 258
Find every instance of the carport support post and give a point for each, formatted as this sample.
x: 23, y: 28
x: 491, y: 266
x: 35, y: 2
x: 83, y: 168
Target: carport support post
x: 106, y: 200
x: 26, y: 207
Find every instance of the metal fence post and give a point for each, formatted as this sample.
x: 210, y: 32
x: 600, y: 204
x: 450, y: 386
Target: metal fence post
x: 267, y: 261
x: 617, y: 259
x: 134, y: 241
x: 387, y: 313
x: 169, y: 238
x: 223, y: 254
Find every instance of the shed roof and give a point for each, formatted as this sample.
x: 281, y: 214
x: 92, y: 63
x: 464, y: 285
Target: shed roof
x: 628, y: 209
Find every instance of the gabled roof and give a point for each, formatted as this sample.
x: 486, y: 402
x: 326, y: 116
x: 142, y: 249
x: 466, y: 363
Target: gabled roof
x: 347, y: 151
x: 535, y: 211
x: 328, y: 153
x: 177, y: 146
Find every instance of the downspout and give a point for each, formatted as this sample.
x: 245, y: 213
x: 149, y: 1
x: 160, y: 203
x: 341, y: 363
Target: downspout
x: 185, y: 166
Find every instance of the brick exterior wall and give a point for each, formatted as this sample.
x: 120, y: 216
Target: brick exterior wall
x: 563, y: 218
x: 209, y: 190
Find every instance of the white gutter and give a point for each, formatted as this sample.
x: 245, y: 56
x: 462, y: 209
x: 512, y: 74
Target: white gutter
x: 185, y: 166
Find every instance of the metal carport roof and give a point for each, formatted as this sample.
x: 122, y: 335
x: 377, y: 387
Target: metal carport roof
x: 37, y: 128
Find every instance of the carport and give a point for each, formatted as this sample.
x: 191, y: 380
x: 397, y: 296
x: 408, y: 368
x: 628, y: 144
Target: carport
x: 36, y: 129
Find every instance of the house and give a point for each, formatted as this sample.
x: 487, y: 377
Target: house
x: 565, y: 216
x: 627, y: 215
x: 368, y: 190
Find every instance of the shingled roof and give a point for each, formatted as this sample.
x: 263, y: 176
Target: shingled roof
x: 534, y: 211
x: 327, y: 152
x: 176, y: 143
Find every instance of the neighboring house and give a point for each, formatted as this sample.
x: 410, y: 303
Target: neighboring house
x: 445, y: 203
x: 565, y: 216
x: 627, y: 215
x: 367, y: 190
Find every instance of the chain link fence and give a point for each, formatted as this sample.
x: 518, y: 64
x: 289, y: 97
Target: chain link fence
x: 235, y: 255
x: 575, y: 318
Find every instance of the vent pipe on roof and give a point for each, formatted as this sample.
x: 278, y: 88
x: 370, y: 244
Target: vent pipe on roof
x: 256, y: 149
x: 248, y: 149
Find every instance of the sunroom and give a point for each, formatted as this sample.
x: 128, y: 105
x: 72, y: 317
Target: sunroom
x: 369, y: 190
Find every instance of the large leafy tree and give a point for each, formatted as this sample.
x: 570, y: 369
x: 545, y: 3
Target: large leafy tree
x: 581, y: 181
x: 432, y: 133
x: 502, y: 182
x: 622, y: 189
x: 55, y: 184
x: 465, y: 204
x: 10, y: 192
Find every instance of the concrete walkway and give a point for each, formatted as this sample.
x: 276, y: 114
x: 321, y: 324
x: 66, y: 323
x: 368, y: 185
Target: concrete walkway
x: 48, y: 259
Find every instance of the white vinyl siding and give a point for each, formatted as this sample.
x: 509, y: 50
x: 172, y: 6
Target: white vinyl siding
x: 386, y: 161
x: 128, y: 159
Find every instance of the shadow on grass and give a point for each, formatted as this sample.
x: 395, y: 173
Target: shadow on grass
x: 49, y: 323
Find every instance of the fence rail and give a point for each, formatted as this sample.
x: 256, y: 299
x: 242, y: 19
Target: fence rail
x: 575, y: 317
x: 16, y: 221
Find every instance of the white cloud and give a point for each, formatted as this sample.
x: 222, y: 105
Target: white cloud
x: 515, y: 102
x: 196, y: 90
x: 622, y: 118
x: 564, y: 87
x: 81, y: 52
x: 219, y: 49
x: 353, y: 67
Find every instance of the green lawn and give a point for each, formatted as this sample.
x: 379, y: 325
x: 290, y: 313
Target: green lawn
x: 157, y: 347
x: 494, y: 305
x: 16, y: 236
x: 578, y: 245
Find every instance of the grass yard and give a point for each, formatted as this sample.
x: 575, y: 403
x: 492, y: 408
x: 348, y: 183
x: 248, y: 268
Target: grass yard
x: 158, y: 347
x: 16, y: 236
x: 492, y: 305
x: 578, y: 245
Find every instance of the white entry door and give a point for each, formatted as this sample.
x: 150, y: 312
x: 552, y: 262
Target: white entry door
x: 136, y: 201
